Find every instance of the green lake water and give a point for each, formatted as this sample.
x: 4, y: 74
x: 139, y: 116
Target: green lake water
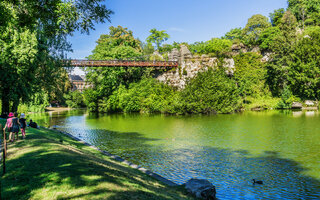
x: 282, y: 148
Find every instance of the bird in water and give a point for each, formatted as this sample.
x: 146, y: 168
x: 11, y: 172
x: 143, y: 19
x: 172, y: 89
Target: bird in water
x: 257, y: 182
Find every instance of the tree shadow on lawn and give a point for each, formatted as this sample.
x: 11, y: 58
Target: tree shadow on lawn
x: 65, y: 172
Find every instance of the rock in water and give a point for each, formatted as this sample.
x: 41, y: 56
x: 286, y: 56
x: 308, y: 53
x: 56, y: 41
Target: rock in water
x: 201, y: 188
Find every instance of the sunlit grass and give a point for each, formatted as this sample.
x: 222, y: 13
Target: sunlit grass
x: 41, y: 167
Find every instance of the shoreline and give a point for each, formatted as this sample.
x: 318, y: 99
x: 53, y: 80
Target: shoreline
x: 72, y: 169
x: 119, y: 159
x: 57, y: 109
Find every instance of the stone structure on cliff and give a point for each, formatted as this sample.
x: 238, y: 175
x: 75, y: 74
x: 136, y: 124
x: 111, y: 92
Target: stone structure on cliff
x: 190, y: 65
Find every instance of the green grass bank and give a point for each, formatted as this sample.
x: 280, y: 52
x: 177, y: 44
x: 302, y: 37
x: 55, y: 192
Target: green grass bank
x: 43, y: 167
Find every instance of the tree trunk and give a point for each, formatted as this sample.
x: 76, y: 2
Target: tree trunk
x: 15, y: 105
x: 5, y: 103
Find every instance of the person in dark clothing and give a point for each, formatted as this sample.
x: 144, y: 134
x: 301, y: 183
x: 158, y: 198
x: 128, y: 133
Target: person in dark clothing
x: 23, y: 125
x: 33, y: 124
x: 15, y: 126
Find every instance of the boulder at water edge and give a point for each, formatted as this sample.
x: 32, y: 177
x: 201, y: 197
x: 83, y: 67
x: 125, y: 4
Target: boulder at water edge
x: 201, y: 188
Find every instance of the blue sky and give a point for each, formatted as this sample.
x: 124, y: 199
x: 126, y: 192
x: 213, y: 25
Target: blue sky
x: 184, y: 20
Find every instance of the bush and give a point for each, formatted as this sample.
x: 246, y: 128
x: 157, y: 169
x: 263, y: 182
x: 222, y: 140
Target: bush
x: 210, y: 92
x: 91, y: 100
x: 74, y: 99
x: 287, y: 98
x: 147, y: 96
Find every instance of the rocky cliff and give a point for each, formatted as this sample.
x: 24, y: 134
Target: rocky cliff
x: 190, y: 65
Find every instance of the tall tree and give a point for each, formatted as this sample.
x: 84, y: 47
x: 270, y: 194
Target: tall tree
x: 33, y: 39
x: 157, y: 37
x: 282, y: 48
x: 255, y: 26
x: 276, y: 16
x: 304, y: 74
x: 118, y: 44
x: 305, y: 10
x: 233, y: 34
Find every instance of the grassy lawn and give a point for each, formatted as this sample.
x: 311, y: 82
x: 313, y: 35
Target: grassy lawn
x: 41, y: 167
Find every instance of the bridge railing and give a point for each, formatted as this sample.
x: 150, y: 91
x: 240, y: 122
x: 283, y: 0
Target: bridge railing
x: 122, y: 63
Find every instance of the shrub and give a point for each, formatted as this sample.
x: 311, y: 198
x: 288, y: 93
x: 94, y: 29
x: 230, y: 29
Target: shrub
x: 74, y: 99
x: 210, y: 92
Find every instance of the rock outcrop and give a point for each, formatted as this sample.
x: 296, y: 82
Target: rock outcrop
x: 174, y: 55
x: 229, y: 65
x: 184, y: 52
x: 296, y: 105
x: 189, y: 67
x: 201, y: 189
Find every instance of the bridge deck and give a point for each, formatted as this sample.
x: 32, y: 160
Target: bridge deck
x: 122, y: 63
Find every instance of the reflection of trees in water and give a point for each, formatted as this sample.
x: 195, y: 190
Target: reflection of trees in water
x: 231, y: 171
x: 54, y: 118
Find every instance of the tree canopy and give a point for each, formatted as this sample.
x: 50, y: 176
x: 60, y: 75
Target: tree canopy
x: 157, y: 37
x: 255, y: 26
x: 118, y: 44
x: 33, y: 41
x: 307, y: 12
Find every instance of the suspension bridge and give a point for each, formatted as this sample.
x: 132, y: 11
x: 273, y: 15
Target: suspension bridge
x: 122, y: 63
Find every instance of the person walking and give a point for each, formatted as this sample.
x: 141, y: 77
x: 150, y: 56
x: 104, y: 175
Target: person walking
x: 23, y: 125
x: 9, y: 125
x: 15, y: 126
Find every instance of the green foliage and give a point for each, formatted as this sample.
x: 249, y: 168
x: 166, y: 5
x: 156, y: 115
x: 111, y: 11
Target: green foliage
x: 288, y: 23
x: 268, y: 37
x: 234, y: 34
x: 210, y: 92
x: 157, y: 37
x: 148, y: 95
x: 218, y: 47
x: 305, y: 67
x: 262, y: 102
x: 287, y: 98
x: 283, y: 49
x: 214, y: 47
x: 198, y: 48
x: 250, y: 75
x: 156, y: 57
x: 118, y: 44
x: 166, y: 48
x: 147, y: 48
x: 91, y: 99
x: 306, y: 11
x: 33, y: 40
x: 276, y: 16
x: 184, y: 72
x: 255, y: 26
x: 38, y: 103
x: 74, y: 99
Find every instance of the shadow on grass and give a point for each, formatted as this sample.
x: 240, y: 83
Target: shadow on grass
x: 42, y: 166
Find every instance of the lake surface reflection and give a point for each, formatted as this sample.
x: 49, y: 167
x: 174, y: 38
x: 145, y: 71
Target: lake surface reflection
x: 279, y: 147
